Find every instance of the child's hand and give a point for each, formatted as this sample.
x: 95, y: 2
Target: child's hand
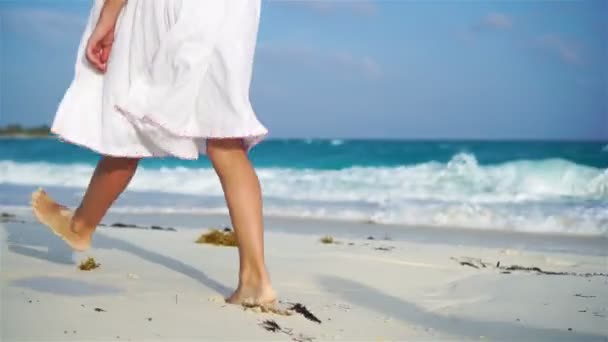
x: 100, y: 46
x: 101, y: 40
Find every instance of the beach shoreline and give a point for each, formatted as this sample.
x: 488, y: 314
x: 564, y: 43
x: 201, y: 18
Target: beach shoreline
x: 586, y: 244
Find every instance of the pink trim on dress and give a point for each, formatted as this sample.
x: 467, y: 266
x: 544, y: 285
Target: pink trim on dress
x: 62, y: 137
x: 257, y: 139
x: 147, y: 119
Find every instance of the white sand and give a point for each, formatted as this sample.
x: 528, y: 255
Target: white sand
x: 414, y: 291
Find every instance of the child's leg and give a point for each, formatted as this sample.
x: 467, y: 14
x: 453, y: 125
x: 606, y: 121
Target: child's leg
x: 109, y: 180
x: 243, y: 197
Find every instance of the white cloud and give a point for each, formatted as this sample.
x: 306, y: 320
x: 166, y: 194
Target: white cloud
x: 494, y: 21
x: 366, y: 65
x: 362, y: 7
x: 566, y: 51
x: 49, y: 25
x: 336, y: 61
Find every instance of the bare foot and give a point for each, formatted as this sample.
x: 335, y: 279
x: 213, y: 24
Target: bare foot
x: 58, y: 218
x: 263, y: 296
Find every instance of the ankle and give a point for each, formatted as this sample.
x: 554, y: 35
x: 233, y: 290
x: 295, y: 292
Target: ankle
x: 257, y: 276
x: 81, y: 226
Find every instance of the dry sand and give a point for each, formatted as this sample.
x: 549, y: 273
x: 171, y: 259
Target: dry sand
x: 160, y: 285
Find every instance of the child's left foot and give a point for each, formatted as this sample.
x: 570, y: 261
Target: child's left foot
x: 59, y: 219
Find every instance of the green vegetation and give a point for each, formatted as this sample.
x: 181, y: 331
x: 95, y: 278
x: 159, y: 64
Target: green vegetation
x: 18, y: 130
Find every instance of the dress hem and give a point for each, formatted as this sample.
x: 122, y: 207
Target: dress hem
x: 62, y: 137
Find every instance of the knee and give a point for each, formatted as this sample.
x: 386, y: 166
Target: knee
x: 121, y: 162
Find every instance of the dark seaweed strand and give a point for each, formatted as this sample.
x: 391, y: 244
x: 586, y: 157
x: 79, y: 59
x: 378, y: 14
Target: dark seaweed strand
x: 538, y: 270
x: 301, y: 309
x: 271, y: 325
x: 541, y: 271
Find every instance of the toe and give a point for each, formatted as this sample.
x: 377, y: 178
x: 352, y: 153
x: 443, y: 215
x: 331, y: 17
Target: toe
x: 34, y: 197
x: 37, y: 196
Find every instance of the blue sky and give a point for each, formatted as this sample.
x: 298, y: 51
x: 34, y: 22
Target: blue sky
x: 381, y: 69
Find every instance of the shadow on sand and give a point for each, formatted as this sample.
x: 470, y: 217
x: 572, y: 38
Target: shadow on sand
x: 363, y: 295
x: 31, y: 240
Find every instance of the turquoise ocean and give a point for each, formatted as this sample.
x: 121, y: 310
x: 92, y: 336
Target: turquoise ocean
x: 551, y: 187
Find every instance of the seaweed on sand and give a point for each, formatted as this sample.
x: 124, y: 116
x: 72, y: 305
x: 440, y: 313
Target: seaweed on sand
x: 328, y: 239
x: 478, y: 264
x: 271, y: 325
x: 218, y: 238
x: 302, y: 310
x: 88, y: 265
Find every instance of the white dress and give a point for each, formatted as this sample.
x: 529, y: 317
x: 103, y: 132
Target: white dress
x: 178, y: 74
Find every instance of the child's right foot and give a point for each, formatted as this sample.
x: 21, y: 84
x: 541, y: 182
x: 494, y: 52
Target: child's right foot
x: 254, y: 291
x: 58, y: 218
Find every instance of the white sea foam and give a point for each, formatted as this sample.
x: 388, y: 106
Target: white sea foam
x: 550, y: 195
x: 461, y: 179
x: 531, y: 218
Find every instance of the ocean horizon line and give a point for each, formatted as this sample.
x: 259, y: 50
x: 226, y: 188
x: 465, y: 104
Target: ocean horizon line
x: 375, y: 139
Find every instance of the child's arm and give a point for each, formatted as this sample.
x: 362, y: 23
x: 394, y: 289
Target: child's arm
x: 100, y: 43
x: 110, y: 11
